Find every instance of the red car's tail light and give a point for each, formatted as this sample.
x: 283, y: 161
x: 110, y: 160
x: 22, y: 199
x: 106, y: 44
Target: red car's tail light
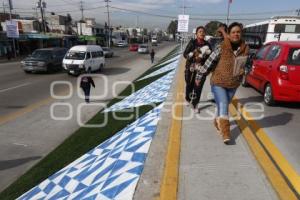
x: 284, y: 72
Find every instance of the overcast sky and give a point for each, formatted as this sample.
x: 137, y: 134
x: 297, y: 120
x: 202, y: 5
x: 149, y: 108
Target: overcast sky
x: 201, y: 11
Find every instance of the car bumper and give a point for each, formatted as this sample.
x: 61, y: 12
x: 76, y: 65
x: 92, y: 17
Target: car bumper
x: 74, y: 69
x: 285, y: 91
x: 34, y: 68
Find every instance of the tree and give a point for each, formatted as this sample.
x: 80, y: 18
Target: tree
x: 134, y: 32
x: 211, y: 27
x: 69, y: 21
x: 172, y: 28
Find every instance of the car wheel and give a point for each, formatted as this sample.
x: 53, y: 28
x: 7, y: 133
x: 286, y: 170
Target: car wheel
x: 27, y: 72
x: 100, y: 68
x: 268, y: 95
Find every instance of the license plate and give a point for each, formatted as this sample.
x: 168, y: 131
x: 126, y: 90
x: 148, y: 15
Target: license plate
x: 72, y: 71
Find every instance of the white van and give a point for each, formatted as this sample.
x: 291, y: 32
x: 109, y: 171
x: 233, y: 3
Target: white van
x: 84, y: 58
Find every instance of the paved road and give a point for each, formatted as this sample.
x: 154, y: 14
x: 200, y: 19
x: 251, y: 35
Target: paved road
x: 18, y: 90
x: 281, y: 123
x: 28, y: 132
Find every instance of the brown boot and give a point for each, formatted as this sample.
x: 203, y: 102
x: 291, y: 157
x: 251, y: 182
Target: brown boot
x: 225, y: 129
x: 216, y: 124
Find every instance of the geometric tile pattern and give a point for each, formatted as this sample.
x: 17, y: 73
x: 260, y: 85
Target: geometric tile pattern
x: 168, y: 67
x: 109, y: 171
x: 155, y: 92
x: 169, y: 61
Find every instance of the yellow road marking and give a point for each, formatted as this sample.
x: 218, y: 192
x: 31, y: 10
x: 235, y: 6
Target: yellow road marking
x: 277, y: 180
x: 169, y: 185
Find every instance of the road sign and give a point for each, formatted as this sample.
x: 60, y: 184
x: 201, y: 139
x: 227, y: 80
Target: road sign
x: 12, y: 30
x: 183, y: 23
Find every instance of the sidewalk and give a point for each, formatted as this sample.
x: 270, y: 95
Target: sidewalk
x: 12, y: 60
x: 210, y: 170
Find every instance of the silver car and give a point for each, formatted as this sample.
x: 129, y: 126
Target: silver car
x: 143, y: 48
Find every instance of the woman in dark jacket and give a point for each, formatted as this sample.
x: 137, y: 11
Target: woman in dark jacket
x: 85, y: 83
x: 192, y: 91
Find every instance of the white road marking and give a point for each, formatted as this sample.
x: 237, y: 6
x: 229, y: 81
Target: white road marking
x: 11, y: 88
x: 20, y: 144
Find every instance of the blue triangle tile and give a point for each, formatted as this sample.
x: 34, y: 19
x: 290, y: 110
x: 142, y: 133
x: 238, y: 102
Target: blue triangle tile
x: 64, y: 181
x: 105, y: 171
x: 139, y: 157
x: 60, y: 194
x: 136, y: 147
x: 118, y: 165
x: 137, y: 170
x: 30, y: 194
x: 116, y: 156
x: 49, y: 187
x: 93, y: 197
x: 114, y: 191
x: 79, y: 187
x: 109, y: 181
x: 88, y: 171
x: 86, y: 192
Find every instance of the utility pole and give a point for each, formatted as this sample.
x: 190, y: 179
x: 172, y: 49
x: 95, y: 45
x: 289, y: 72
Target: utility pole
x: 81, y: 9
x: 137, y: 21
x: 10, y: 18
x: 228, y: 12
x: 108, y: 20
x: 4, y: 11
x: 42, y: 5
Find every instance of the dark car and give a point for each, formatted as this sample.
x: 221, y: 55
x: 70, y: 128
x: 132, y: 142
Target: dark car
x: 44, y: 60
x: 108, y: 53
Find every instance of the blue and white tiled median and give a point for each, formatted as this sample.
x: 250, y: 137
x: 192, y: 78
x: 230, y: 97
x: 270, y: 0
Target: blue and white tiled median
x: 112, y: 169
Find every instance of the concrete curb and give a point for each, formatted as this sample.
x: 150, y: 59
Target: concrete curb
x: 149, y: 185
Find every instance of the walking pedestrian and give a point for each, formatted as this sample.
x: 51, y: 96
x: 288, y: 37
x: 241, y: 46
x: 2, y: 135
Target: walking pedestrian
x: 192, y: 91
x: 85, y: 83
x: 226, y: 77
x: 152, y: 54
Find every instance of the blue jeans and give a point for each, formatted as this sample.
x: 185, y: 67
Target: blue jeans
x: 223, y: 97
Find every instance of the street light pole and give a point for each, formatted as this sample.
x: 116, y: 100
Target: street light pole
x: 10, y: 18
x: 228, y: 11
x: 81, y: 9
x: 108, y: 20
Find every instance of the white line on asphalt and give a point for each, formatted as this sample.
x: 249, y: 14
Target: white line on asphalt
x: 20, y: 144
x: 11, y: 88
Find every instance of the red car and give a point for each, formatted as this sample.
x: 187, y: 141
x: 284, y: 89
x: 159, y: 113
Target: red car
x: 133, y: 47
x: 275, y: 72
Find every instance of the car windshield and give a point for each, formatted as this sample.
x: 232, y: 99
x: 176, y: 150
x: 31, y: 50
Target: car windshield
x: 75, y: 55
x: 294, y: 56
x: 41, y: 54
x: 142, y: 46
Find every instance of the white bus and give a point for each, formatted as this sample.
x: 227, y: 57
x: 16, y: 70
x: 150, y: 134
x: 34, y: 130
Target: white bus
x: 283, y: 28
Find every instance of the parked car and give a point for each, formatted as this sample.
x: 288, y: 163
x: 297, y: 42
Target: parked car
x: 154, y: 43
x: 133, y: 47
x: 84, y: 58
x: 108, y: 53
x: 44, y: 60
x: 276, y: 72
x: 143, y: 48
x: 122, y: 43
